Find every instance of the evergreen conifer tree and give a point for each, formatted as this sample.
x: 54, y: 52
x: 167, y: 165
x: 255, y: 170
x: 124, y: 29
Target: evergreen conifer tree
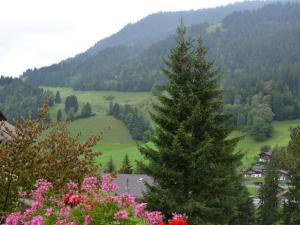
x: 59, y: 115
x: 292, y: 161
x: 126, y: 167
x: 269, y: 207
x: 110, y: 166
x: 86, y: 110
x: 193, y: 163
x: 71, y: 102
x: 57, y: 98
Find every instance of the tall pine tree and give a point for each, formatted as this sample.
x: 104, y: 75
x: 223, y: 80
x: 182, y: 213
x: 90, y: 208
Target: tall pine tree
x: 59, y: 115
x: 57, y: 98
x: 193, y: 162
x: 110, y: 166
x: 126, y: 166
x: 292, y: 161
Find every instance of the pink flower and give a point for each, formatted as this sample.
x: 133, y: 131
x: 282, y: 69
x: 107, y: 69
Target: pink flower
x: 37, y: 220
x: 125, y: 200
x: 14, y: 219
x: 65, y: 212
x: 87, y: 220
x: 89, y: 207
x: 121, y: 215
x: 153, y: 218
x: 177, y: 216
x: 64, y: 222
x: 107, y: 185
x: 72, y: 186
x: 89, y: 184
x: 139, y: 209
x: 48, y: 212
x: 29, y: 212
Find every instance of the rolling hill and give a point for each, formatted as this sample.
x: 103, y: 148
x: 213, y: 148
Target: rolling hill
x: 116, y: 140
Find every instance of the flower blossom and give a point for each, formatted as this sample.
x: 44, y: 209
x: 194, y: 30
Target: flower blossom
x: 125, y: 200
x: 154, y: 217
x: 89, y: 184
x: 65, y: 212
x: 178, y: 222
x: 72, y: 186
x: 13, y: 219
x: 121, y: 215
x: 139, y: 209
x: 177, y: 216
x: 72, y: 200
x: 48, y: 212
x: 107, y: 185
x: 37, y: 220
x: 87, y: 220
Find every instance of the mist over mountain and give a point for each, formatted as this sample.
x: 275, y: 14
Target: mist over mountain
x: 100, y: 60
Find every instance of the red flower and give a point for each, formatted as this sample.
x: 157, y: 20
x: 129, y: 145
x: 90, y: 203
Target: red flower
x: 178, y: 222
x: 72, y: 200
x: 162, y: 224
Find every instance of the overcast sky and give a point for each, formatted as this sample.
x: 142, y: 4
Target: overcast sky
x: 35, y: 33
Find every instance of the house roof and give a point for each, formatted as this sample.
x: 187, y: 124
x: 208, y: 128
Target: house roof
x: 133, y: 184
x: 256, y: 169
x: 265, y: 154
x: 285, y: 172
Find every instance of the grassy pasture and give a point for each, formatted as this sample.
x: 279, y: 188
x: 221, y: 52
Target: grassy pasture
x: 116, y: 140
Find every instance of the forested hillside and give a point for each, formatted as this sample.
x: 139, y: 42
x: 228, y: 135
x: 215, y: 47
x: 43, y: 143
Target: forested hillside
x: 102, y: 65
x: 19, y: 99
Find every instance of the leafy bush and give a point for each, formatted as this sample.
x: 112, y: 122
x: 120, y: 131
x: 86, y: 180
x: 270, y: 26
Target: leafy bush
x: 38, y: 150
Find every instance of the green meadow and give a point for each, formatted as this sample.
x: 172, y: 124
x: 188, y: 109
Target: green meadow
x: 116, y: 140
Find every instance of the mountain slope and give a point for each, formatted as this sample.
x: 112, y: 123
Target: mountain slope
x: 160, y: 25
x: 98, y: 63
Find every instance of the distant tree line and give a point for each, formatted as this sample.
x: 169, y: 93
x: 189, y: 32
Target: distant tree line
x: 137, y: 125
x: 126, y: 167
x: 19, y: 99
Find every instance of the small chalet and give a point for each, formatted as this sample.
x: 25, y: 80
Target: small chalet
x: 255, y: 171
x: 4, y: 127
x: 283, y: 175
x: 264, y: 156
x: 133, y: 184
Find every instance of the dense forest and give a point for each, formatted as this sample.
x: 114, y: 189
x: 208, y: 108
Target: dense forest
x: 18, y: 99
x: 260, y: 70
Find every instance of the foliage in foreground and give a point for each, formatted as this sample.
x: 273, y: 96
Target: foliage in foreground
x: 39, y: 151
x: 91, y: 203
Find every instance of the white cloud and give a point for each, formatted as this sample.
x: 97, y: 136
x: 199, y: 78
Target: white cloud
x: 37, y: 33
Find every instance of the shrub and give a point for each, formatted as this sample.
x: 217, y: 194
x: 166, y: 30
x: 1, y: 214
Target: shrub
x: 38, y: 150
